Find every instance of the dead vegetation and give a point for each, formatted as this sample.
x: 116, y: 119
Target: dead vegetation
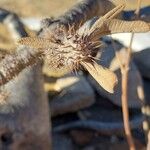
x: 66, y: 43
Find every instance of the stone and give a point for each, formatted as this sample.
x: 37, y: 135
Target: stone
x: 62, y: 142
x: 82, y: 137
x: 75, y: 94
x: 142, y: 60
x: 147, y: 91
x: 135, y: 85
x: 104, y: 144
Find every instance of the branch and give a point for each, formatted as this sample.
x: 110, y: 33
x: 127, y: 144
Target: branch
x: 124, y: 71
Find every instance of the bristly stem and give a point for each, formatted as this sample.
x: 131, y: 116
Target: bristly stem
x: 124, y: 72
x: 13, y: 64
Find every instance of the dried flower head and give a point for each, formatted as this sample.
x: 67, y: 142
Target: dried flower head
x: 70, y: 49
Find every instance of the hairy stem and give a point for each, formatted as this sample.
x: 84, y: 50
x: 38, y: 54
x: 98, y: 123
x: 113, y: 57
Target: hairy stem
x: 13, y: 64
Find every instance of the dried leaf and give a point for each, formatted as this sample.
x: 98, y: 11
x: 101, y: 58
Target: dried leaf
x: 120, y: 26
x: 36, y: 42
x: 110, y: 15
x: 106, y: 78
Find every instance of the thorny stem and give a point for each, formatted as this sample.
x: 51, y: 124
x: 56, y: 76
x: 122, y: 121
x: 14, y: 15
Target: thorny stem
x: 124, y: 72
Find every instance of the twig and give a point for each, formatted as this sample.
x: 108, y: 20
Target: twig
x: 125, y: 110
x: 124, y: 72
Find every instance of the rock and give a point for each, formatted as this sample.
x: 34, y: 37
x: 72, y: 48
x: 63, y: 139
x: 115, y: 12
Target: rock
x: 102, y: 117
x: 62, y: 142
x: 82, y: 137
x: 135, y: 86
x: 75, y: 94
x: 147, y: 91
x: 107, y: 145
x: 142, y: 60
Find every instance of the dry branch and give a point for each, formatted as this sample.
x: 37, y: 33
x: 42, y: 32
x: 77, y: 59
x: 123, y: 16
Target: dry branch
x: 124, y: 71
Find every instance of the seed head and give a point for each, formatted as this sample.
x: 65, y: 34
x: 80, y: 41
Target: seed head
x: 70, y: 52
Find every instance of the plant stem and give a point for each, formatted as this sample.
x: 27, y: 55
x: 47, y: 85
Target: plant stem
x: 125, y: 109
x: 124, y: 72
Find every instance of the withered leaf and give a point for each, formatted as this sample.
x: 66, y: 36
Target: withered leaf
x: 36, y: 42
x: 106, y: 78
x: 110, y: 15
x: 120, y: 26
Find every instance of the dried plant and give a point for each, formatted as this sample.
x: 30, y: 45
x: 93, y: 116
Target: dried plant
x: 76, y: 49
x: 125, y: 66
x: 66, y: 48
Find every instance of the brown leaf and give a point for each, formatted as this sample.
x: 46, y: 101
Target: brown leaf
x: 112, y: 26
x: 110, y: 15
x: 120, y: 26
x: 35, y: 42
x: 106, y: 78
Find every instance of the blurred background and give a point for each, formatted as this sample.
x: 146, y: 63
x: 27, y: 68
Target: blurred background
x: 84, y: 116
